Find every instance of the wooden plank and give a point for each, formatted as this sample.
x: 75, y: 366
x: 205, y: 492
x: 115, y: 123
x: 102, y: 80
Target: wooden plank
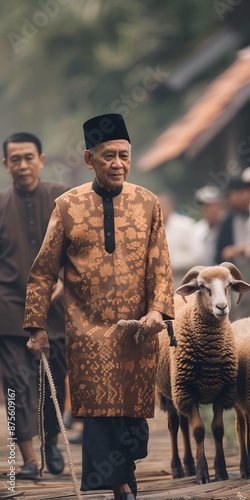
x: 153, y: 473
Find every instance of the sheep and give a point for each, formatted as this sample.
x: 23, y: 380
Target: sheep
x: 203, y: 367
x: 241, y: 329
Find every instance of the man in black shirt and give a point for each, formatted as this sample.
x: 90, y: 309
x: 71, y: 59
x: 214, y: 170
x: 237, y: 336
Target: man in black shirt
x: 25, y: 209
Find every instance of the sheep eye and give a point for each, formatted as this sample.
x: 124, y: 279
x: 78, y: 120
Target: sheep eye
x: 203, y: 287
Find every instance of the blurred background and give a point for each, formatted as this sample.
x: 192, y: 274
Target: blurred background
x: 178, y: 71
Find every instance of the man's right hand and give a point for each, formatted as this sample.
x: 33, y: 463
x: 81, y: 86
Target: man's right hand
x: 38, y: 343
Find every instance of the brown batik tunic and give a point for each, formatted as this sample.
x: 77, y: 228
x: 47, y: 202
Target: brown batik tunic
x: 113, y: 247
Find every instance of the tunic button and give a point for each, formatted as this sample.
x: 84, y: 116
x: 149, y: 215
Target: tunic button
x: 32, y: 242
x: 31, y: 222
x: 107, y: 199
x: 108, y: 216
x: 109, y: 234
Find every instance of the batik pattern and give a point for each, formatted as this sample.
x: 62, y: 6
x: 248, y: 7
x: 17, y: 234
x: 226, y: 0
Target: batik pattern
x: 110, y: 375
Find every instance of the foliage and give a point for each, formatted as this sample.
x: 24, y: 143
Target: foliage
x: 66, y: 60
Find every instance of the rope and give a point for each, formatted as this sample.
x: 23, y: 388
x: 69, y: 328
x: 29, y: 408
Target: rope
x: 41, y: 415
x: 136, y: 328
x: 60, y: 421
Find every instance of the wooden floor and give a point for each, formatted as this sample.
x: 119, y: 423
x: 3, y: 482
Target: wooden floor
x: 153, y: 473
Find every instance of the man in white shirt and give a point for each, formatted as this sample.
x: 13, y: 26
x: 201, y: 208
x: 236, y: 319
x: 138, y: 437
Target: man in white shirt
x: 184, y: 247
x: 210, y: 202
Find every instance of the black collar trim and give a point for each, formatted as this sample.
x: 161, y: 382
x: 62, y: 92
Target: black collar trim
x: 26, y: 194
x: 104, y: 192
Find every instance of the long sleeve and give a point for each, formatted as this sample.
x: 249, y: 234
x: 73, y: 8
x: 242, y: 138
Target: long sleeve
x: 44, y: 274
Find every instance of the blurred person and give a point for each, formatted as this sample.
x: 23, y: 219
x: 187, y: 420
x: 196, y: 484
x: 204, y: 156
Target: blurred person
x: 184, y: 249
x: 1, y: 386
x: 67, y: 414
x: 110, y: 235
x: 233, y: 236
x: 245, y: 176
x: 210, y: 201
x: 25, y: 208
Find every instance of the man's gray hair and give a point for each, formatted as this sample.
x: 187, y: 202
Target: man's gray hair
x: 95, y: 148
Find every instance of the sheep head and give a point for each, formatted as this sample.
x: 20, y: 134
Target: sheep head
x: 214, y: 284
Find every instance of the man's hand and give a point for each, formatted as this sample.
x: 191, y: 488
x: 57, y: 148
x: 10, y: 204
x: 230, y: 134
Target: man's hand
x: 231, y: 251
x: 38, y: 343
x: 152, y: 322
x: 57, y: 290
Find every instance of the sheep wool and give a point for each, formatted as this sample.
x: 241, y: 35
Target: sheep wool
x: 204, y: 365
x: 241, y: 329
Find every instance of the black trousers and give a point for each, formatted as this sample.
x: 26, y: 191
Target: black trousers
x: 20, y: 376
x: 109, y: 446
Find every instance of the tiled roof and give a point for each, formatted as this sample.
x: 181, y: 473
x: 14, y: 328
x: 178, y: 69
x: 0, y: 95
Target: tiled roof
x: 220, y: 102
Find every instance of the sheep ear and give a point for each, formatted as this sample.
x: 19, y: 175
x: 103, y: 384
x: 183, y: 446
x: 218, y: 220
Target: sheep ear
x: 187, y: 289
x: 240, y: 287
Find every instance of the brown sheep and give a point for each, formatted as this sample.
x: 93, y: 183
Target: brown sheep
x: 241, y: 329
x: 203, y: 367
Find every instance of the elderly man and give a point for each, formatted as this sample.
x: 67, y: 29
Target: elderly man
x: 109, y: 235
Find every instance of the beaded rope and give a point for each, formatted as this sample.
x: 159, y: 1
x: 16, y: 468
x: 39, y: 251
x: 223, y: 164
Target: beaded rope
x: 46, y: 368
x: 41, y: 415
x: 136, y: 329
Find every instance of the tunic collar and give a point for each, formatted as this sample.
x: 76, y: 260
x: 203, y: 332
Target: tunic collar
x: 26, y: 194
x: 104, y: 192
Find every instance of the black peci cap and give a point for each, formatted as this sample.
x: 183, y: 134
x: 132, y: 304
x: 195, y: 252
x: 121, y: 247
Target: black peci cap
x: 103, y: 128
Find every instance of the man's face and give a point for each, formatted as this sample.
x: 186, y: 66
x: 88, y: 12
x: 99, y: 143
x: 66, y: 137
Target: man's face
x: 111, y: 162
x: 24, y: 163
x: 212, y: 212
